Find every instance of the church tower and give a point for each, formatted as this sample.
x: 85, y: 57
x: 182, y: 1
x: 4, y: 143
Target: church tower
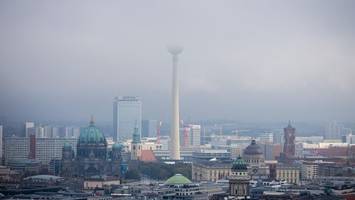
x: 289, y: 145
x: 67, y: 167
x: 239, y: 180
x: 136, y: 150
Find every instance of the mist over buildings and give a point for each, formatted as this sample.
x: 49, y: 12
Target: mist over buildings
x: 242, y: 60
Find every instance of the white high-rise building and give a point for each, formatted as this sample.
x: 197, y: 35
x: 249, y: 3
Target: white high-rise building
x: 28, y: 126
x: 127, y: 114
x: 40, y: 132
x: 195, y: 135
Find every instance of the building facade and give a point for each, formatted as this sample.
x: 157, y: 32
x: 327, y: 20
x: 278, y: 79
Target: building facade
x: 253, y: 155
x: 16, y: 148
x: 239, y: 179
x: 195, y: 135
x: 41, y: 149
x: 309, y: 170
x: 127, y: 113
x: 211, y: 170
x: 92, y: 157
x: 289, y: 145
x: 288, y: 173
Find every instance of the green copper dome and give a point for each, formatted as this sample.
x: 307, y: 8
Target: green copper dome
x: 177, y: 179
x: 239, y: 164
x: 91, y: 135
x: 117, y: 146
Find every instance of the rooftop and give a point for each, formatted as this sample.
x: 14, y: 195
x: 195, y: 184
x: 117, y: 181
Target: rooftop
x: 177, y: 179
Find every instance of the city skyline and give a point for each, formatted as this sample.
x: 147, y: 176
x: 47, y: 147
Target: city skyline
x: 242, y: 61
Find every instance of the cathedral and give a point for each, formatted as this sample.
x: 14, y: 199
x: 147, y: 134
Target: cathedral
x: 92, y: 158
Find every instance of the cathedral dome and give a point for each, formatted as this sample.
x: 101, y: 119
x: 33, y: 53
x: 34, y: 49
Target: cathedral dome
x: 117, y: 146
x: 91, y: 135
x: 177, y: 179
x: 253, y: 149
x: 239, y: 164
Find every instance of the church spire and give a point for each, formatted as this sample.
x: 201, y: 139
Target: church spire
x: 92, y: 121
x: 136, y: 136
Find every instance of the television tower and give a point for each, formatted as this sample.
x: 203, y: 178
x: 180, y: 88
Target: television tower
x: 174, y: 137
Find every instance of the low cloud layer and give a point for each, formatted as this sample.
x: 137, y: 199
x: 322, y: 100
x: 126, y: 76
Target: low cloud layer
x: 242, y: 60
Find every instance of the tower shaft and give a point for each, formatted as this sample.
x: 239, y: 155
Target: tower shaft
x: 175, y: 139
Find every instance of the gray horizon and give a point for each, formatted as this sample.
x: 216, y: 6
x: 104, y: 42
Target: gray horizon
x: 242, y: 60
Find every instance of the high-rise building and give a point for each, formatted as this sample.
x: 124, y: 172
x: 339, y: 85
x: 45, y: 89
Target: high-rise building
x: 333, y: 130
x: 41, y: 149
x: 40, y: 132
x: 16, y: 148
x: 127, y: 112
x: 149, y: 128
x: 267, y: 137
x: 195, y: 135
x: 28, y: 126
x: 51, y: 148
x: 289, y: 144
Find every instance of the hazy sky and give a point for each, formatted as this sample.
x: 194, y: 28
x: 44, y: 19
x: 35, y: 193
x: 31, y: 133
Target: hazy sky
x: 242, y: 60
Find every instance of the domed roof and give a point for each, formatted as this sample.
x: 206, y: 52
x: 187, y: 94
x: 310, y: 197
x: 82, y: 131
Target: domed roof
x: 239, y: 164
x: 91, y: 135
x: 177, y: 179
x: 253, y: 149
x: 117, y: 146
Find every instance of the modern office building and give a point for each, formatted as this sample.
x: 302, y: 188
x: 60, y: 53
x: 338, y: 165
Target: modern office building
x: 41, y: 149
x: 190, y: 135
x: 149, y: 128
x: 16, y: 148
x: 127, y: 114
x: 51, y: 148
x: 195, y: 135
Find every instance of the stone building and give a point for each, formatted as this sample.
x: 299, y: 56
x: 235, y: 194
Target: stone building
x: 217, y: 169
x: 239, y: 179
x: 253, y: 156
x: 289, y: 173
x: 210, y: 170
x: 92, y: 158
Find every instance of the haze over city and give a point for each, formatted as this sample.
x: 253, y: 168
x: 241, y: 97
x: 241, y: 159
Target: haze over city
x: 246, y: 61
